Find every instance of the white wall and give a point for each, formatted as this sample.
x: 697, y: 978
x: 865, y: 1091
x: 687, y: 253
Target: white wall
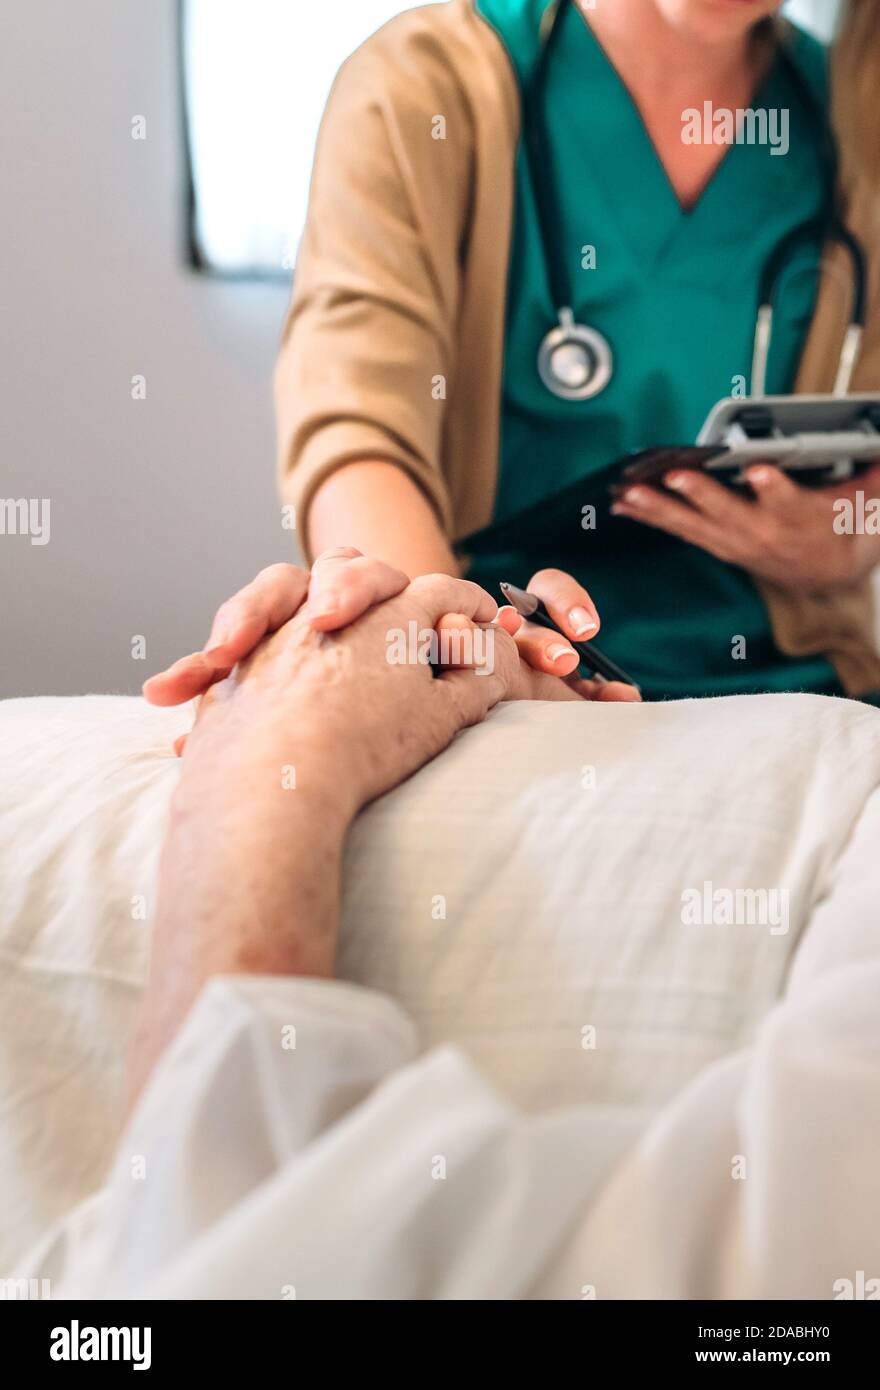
x: 161, y: 507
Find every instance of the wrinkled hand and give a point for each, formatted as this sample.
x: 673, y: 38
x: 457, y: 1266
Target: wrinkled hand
x: 309, y: 713
x: 338, y: 707
x: 300, y: 735
x: 342, y: 586
x: 785, y: 533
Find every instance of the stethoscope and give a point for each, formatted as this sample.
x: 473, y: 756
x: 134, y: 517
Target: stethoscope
x: 575, y: 362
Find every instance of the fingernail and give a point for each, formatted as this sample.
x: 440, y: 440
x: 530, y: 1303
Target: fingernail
x: 559, y: 650
x: 679, y: 481
x: 759, y: 475
x: 581, y: 622
x: 634, y: 495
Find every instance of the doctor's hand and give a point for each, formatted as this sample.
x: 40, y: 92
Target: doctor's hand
x: 569, y: 605
x: 784, y: 533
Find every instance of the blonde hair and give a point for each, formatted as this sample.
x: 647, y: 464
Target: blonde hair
x: 855, y: 83
x: 856, y: 87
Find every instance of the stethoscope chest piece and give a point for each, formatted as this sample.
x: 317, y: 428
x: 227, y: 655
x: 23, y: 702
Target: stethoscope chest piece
x: 574, y: 362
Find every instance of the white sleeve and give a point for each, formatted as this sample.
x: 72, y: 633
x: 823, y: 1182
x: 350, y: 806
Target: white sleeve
x: 326, y: 1162
x: 292, y: 1143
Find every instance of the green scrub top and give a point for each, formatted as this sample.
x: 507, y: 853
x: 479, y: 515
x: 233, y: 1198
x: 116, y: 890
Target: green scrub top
x: 675, y: 292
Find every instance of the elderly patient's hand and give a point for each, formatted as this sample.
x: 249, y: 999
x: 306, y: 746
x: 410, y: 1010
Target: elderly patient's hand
x: 286, y: 750
x: 359, y: 706
x: 342, y: 586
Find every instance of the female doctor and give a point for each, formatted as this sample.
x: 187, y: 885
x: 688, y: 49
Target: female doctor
x: 496, y: 180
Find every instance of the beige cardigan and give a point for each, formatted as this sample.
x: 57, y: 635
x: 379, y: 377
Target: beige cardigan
x: 402, y: 279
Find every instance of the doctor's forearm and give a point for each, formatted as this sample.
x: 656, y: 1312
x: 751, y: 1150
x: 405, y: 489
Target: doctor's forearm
x: 377, y: 508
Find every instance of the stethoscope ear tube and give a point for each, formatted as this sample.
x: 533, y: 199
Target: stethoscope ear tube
x: 829, y: 227
x: 852, y: 341
x: 849, y: 356
x: 761, y: 353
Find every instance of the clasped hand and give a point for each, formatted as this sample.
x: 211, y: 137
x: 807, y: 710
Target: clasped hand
x: 297, y: 670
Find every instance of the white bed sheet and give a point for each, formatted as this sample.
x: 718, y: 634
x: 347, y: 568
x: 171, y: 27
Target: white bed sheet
x: 562, y: 892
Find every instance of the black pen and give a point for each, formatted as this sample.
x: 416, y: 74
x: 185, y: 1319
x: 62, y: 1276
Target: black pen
x: 529, y: 606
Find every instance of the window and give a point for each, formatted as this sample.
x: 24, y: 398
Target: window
x: 256, y: 78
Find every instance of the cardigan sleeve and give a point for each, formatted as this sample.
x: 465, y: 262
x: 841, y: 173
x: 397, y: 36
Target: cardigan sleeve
x: 367, y: 357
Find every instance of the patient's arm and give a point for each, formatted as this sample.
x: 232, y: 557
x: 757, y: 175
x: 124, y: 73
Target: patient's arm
x: 285, y: 753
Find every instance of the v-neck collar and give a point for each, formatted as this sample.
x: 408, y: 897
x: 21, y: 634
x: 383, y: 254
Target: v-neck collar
x: 612, y: 152
x: 626, y: 100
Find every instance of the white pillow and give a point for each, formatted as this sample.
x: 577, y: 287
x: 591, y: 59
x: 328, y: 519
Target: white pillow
x: 521, y: 896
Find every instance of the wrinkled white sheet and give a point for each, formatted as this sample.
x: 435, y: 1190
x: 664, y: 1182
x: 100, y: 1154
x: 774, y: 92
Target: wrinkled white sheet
x: 562, y: 910
x: 348, y: 1167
